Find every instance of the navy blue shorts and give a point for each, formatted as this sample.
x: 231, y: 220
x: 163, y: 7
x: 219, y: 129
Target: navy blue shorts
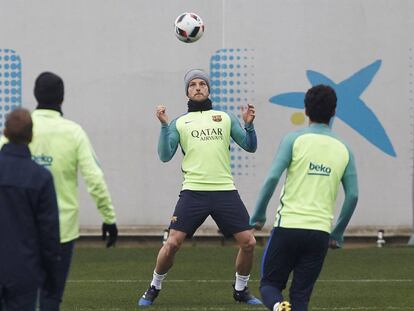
x: 225, y: 207
x: 300, y: 251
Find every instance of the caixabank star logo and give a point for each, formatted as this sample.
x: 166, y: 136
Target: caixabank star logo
x: 351, y: 109
x: 232, y: 79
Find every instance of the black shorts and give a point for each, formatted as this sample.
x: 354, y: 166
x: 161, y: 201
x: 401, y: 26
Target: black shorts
x: 225, y: 207
x: 299, y: 250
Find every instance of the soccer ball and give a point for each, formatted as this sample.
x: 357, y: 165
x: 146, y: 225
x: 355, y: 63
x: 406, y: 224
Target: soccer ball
x: 189, y: 27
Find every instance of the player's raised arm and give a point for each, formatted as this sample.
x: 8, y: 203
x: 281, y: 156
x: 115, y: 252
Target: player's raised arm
x: 169, y: 137
x: 244, y: 137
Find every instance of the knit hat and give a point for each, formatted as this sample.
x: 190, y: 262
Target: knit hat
x: 196, y: 74
x: 49, y: 90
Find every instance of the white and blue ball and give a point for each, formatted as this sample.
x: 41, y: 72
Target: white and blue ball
x: 189, y: 27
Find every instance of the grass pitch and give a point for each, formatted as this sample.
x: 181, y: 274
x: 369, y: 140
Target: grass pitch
x: 352, y: 279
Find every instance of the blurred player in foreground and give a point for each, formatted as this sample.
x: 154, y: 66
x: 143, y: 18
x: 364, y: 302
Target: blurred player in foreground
x: 208, y: 189
x: 29, y: 223
x: 317, y: 161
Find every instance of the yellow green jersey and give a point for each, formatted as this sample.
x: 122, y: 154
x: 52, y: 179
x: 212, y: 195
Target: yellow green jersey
x: 316, y: 162
x: 204, y: 137
x: 63, y: 147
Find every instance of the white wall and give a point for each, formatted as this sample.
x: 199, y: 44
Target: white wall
x: 119, y: 59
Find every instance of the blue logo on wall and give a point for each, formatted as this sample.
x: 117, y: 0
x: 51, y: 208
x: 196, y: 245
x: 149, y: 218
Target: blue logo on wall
x: 232, y: 86
x: 351, y: 109
x: 10, y: 83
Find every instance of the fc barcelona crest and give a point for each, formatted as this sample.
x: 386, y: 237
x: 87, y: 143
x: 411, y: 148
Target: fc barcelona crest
x: 217, y: 118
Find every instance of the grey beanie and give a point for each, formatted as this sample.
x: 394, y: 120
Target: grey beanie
x: 196, y: 74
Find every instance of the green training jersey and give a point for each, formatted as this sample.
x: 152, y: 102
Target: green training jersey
x: 316, y: 162
x: 63, y: 147
x: 204, y: 137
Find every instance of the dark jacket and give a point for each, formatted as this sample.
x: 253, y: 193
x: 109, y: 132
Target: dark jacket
x: 29, y: 223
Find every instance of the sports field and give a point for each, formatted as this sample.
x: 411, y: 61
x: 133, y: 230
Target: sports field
x: 352, y: 279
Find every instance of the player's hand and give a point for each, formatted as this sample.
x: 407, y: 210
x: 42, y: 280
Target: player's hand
x: 249, y: 113
x: 333, y: 244
x: 258, y: 226
x: 110, y: 231
x: 161, y: 115
x: 257, y: 222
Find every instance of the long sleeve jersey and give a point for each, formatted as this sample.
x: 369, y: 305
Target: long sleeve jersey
x: 204, y: 137
x: 317, y: 161
x: 63, y: 147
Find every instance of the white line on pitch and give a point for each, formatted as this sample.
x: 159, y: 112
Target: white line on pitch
x: 226, y: 281
x: 251, y: 308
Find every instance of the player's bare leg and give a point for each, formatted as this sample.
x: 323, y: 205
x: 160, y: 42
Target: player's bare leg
x: 244, y: 260
x: 165, y: 261
x: 166, y: 255
x: 244, y: 263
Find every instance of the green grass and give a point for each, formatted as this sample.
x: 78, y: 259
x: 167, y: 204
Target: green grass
x: 352, y: 279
